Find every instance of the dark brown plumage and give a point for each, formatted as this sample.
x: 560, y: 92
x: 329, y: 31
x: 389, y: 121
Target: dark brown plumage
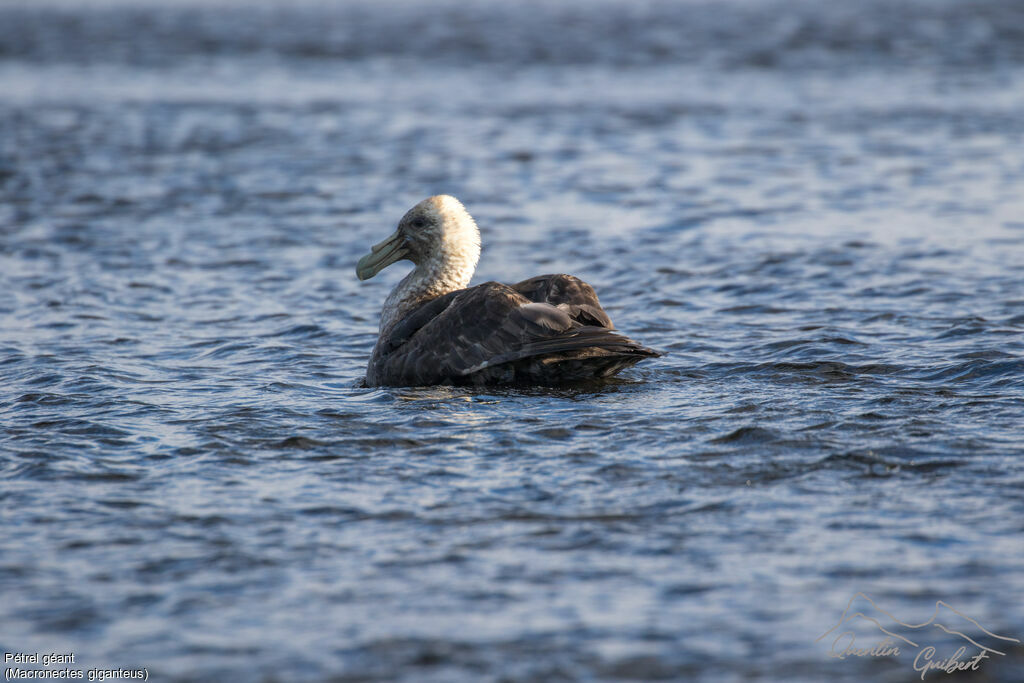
x: 549, y: 329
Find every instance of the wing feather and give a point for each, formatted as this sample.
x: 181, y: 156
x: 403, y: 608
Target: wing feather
x: 568, y: 293
x: 482, y: 326
x: 551, y: 317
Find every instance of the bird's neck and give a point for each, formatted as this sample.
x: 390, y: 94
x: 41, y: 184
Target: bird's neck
x: 428, y: 280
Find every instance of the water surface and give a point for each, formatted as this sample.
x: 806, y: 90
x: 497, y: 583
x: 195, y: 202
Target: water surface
x: 816, y: 211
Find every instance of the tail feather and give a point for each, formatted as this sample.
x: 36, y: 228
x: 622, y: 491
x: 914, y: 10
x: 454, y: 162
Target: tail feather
x: 599, y: 341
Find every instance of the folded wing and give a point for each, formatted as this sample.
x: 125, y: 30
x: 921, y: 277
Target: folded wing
x: 546, y: 329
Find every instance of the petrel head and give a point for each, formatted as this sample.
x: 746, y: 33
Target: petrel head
x: 438, y: 231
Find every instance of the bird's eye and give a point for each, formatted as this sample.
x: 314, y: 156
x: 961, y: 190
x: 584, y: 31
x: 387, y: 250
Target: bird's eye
x: 418, y: 223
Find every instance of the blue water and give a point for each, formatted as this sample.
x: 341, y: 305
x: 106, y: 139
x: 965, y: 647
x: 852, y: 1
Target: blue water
x: 816, y: 210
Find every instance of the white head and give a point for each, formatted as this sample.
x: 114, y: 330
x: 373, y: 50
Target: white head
x: 438, y: 232
x: 441, y: 238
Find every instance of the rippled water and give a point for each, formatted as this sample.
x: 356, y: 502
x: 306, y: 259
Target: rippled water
x: 817, y: 211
